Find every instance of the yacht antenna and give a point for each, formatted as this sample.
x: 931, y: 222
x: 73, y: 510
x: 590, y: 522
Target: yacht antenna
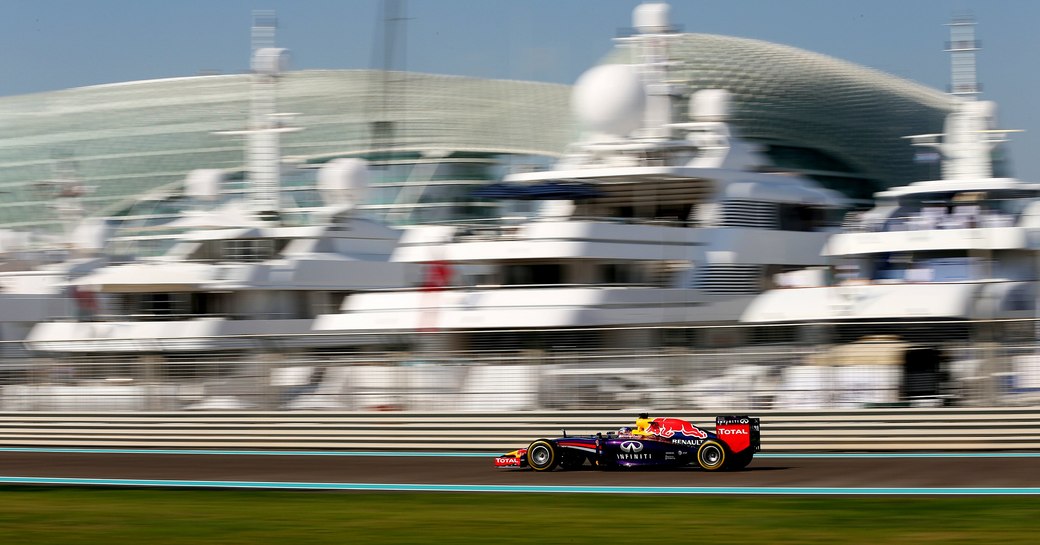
x: 264, y: 154
x: 653, y: 36
x: 962, y: 47
x: 65, y: 191
x: 382, y: 128
x: 263, y: 148
x: 969, y: 133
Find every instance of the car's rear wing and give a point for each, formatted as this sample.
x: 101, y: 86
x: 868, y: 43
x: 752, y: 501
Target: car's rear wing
x: 739, y: 432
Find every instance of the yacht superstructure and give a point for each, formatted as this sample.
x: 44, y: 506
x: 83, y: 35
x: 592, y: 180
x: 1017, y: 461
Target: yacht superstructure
x: 35, y: 268
x: 959, y: 248
x: 645, y: 221
x: 227, y: 277
x: 223, y: 272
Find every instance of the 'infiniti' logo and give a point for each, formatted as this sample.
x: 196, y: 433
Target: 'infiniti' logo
x: 632, y: 446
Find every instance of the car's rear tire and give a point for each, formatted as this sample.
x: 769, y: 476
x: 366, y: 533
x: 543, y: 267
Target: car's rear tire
x: 711, y: 455
x: 542, y: 455
x: 740, y: 460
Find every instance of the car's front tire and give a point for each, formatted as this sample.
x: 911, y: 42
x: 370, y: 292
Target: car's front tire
x: 711, y: 455
x: 542, y: 455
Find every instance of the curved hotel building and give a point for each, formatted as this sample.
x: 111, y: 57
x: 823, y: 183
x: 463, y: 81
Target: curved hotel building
x: 124, y: 149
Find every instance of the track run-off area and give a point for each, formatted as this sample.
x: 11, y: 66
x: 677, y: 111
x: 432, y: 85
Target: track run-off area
x: 1011, y: 473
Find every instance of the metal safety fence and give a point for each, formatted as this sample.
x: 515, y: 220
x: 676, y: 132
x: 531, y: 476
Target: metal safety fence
x: 951, y: 429
x: 815, y: 367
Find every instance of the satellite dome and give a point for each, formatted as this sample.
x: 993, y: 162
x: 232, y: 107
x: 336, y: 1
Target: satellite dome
x: 710, y: 105
x: 90, y: 235
x: 343, y: 182
x: 609, y: 99
x: 271, y: 61
x: 204, y: 183
x: 651, y: 18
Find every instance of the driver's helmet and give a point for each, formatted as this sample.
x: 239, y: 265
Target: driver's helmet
x: 624, y: 430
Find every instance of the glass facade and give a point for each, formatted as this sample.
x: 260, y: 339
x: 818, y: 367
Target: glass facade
x: 432, y: 137
x: 120, y: 142
x: 841, y: 123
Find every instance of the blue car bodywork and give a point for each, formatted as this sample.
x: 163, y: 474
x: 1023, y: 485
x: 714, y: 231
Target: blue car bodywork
x: 660, y: 442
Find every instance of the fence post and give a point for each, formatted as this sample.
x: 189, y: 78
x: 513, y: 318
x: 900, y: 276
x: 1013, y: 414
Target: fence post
x: 150, y: 375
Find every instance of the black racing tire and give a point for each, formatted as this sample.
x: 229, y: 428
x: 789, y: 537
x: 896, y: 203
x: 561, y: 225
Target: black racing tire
x: 543, y: 455
x: 711, y: 455
x: 740, y: 460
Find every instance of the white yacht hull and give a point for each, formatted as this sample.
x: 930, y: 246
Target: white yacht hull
x: 953, y: 300
x: 498, y: 308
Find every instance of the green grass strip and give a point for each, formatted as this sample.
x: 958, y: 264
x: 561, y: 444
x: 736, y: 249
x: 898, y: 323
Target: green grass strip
x: 43, y: 515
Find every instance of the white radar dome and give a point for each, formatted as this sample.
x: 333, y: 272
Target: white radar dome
x: 271, y: 61
x: 651, y: 18
x: 609, y: 99
x: 709, y: 105
x: 90, y: 235
x: 343, y: 182
x: 204, y: 183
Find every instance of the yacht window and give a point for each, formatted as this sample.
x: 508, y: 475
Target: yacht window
x: 849, y: 271
x: 329, y: 302
x: 165, y: 304
x: 773, y: 334
x: 800, y: 217
x: 553, y: 341
x: 464, y: 171
x: 386, y: 194
x: 248, y: 249
x: 304, y: 306
x: 209, y: 250
x: 444, y: 193
x: 537, y: 274
x: 208, y: 304
x: 618, y: 273
x: 1019, y: 298
x: 795, y: 217
x: 932, y: 267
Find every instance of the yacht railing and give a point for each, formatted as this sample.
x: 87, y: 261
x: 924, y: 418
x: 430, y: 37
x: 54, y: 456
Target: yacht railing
x: 821, y: 367
x: 175, y: 316
x: 933, y: 218
x: 510, y: 226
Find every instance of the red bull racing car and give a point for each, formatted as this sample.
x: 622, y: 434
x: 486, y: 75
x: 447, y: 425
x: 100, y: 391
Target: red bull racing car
x: 658, y: 442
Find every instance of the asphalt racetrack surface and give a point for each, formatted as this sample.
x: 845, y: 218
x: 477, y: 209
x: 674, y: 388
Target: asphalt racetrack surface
x: 780, y: 472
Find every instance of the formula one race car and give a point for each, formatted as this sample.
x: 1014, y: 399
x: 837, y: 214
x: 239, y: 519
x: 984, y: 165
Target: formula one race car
x: 658, y: 442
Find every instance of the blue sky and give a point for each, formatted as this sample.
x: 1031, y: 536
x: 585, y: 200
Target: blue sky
x: 55, y: 44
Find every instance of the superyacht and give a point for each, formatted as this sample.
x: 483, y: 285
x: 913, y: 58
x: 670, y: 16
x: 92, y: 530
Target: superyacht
x: 647, y: 220
x: 925, y: 283
x: 956, y: 249
x: 236, y: 276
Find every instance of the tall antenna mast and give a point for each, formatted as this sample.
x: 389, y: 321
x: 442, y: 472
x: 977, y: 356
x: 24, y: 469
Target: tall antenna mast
x: 263, y: 147
x: 969, y: 134
x: 962, y: 47
x: 264, y: 152
x: 265, y: 25
x: 653, y: 37
x: 382, y: 129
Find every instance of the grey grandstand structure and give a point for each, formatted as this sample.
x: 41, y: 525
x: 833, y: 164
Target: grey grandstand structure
x: 128, y: 146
